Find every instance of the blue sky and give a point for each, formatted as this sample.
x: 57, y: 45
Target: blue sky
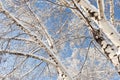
x: 67, y: 50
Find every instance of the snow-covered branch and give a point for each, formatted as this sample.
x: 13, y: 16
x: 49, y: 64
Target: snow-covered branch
x: 108, y: 48
x: 27, y: 55
x: 101, y: 8
x: 49, y: 39
x: 50, y: 52
x: 15, y: 38
x: 112, y: 11
x: 103, y: 24
x: 30, y: 70
x: 77, y: 47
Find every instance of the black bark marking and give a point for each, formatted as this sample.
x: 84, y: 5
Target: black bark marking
x: 107, y: 53
x: 35, y: 36
x: 98, y: 1
x: 111, y: 33
x: 96, y: 18
x: 115, y: 55
x: 92, y: 14
x: 65, y: 75
x: 119, y: 72
x: 102, y: 17
x: 36, y: 39
x: 43, y: 46
x: 119, y: 59
x: 87, y: 9
x: 107, y: 46
x: 21, y: 28
x: 18, y: 25
x: 118, y: 46
x: 39, y: 43
x: 62, y: 75
x: 78, y: 1
x: 51, y: 47
x: 57, y: 63
x: 3, y: 12
x: 101, y: 45
x: 53, y: 59
x: 99, y: 40
x: 97, y: 37
x: 50, y: 55
x: 112, y: 49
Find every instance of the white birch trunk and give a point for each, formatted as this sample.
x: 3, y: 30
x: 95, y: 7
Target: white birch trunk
x: 111, y: 51
x: 108, y: 48
x: 104, y: 25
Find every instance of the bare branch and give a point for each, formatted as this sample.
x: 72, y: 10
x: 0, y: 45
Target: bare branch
x: 40, y: 43
x: 112, y: 11
x: 31, y: 70
x: 19, y: 39
x: 27, y: 55
x: 101, y: 9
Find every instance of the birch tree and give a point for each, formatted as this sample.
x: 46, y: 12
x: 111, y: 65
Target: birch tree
x: 59, y: 40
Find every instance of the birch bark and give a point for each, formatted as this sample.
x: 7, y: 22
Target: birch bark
x: 110, y: 50
x: 103, y: 24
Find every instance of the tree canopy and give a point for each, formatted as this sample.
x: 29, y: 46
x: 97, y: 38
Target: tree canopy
x: 59, y: 39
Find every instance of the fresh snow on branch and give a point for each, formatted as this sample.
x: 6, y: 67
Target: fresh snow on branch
x: 110, y: 50
x: 27, y: 55
x: 65, y: 74
x: 103, y: 24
